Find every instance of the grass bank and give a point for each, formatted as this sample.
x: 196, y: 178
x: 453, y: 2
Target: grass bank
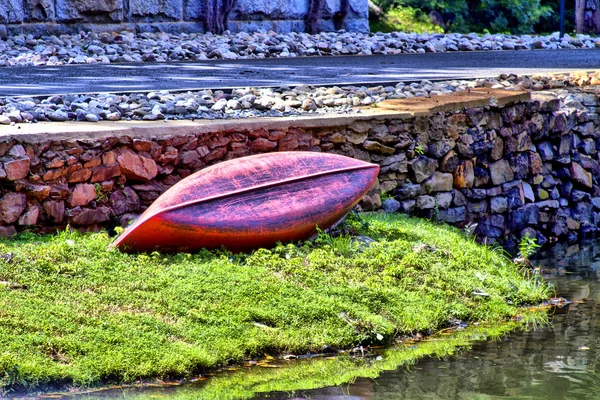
x: 73, y: 313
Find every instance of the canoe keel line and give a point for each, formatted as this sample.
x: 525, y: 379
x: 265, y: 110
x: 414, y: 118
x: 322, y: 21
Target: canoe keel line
x: 251, y: 202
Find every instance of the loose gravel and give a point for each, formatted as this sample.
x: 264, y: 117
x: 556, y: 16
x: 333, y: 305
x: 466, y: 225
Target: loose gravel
x: 128, y: 47
x: 259, y: 102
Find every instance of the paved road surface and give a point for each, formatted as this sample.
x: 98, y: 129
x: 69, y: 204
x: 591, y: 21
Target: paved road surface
x: 275, y: 72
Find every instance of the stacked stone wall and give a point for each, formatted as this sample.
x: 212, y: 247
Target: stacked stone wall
x: 530, y: 166
x: 64, y: 16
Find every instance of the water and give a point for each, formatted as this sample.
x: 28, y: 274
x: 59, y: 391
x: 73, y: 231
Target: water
x: 558, y: 361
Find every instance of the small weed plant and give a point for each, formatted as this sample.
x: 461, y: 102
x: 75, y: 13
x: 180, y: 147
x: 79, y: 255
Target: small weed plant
x: 528, y: 246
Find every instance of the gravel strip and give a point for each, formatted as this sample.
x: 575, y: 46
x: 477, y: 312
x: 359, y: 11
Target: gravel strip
x: 91, y: 47
x: 258, y: 102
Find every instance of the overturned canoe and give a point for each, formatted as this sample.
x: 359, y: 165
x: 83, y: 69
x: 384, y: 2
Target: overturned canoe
x: 251, y: 202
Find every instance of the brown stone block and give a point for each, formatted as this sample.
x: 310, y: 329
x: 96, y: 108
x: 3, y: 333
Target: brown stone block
x: 276, y: 135
x: 31, y: 216
x: 142, y: 145
x: 464, y: 175
x: 289, y: 143
x: 105, y: 172
x: 136, y: 167
x: 17, y: 169
x: 80, y: 175
x: 55, y: 163
x: 12, y: 206
x: 90, y: 216
x: 82, y: 195
x: 218, y: 141
x: 262, y: 145
x: 7, y: 231
x: 169, y: 156
x: 93, y: 163
x: 216, y: 154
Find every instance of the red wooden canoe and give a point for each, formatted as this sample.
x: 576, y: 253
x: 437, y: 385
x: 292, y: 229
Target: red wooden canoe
x: 251, y: 202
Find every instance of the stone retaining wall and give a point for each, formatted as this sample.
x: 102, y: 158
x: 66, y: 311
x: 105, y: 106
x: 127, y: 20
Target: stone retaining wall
x: 65, y: 16
x: 510, y: 164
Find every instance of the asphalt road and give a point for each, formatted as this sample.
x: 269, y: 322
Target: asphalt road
x: 15, y: 81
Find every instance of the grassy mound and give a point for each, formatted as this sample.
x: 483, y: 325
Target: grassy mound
x: 73, y: 312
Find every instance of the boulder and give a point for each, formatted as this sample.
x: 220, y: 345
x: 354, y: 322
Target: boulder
x: 425, y: 202
x: 31, y: 216
x: 421, y: 168
x: 580, y: 175
x: 438, y: 182
x: 12, y: 206
x: 17, y: 169
x: 90, y: 216
x: 464, y: 175
x: 377, y: 147
x: 501, y: 172
x: 409, y: 191
x: 136, y: 167
x: 390, y: 205
x: 55, y: 211
x: 453, y: 215
x: 125, y: 201
x: 81, y: 195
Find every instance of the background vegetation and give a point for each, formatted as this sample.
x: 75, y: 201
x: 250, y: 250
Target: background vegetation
x: 463, y: 16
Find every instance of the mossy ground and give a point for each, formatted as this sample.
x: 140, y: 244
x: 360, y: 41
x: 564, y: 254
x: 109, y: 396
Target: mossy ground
x: 72, y: 312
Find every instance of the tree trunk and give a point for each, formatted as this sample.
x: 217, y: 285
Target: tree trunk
x: 315, y: 9
x: 587, y: 16
x: 216, y: 14
x: 339, y: 18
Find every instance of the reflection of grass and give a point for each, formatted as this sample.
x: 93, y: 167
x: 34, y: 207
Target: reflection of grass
x: 72, y: 312
x: 317, y: 373
x: 405, y: 19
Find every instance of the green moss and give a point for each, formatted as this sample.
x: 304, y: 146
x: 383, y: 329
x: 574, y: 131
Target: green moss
x: 73, y: 312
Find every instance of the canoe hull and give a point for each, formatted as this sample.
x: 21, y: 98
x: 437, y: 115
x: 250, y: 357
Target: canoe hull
x: 279, y: 207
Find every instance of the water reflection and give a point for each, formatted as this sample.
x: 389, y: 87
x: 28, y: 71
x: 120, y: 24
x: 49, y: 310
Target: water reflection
x: 561, y: 361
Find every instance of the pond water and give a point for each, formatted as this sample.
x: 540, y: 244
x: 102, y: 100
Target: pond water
x: 557, y: 361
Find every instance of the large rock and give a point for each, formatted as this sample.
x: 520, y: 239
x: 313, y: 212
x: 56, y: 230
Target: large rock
x: 272, y: 8
x: 11, y: 11
x: 55, y: 211
x: 17, y: 169
x: 31, y: 216
x: 99, y: 10
x: 136, y: 167
x: 377, y: 147
x: 125, y: 201
x: 40, y: 10
x: 149, y: 8
x: 580, y: 175
x: 12, y: 206
x: 464, y: 175
x: 409, y: 191
x: 90, y: 216
x: 439, y: 182
x: 501, y: 172
x: 421, y: 168
x: 82, y: 195
x: 453, y: 215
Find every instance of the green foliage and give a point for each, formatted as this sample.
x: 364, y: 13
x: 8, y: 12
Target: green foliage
x: 74, y: 312
x: 406, y: 19
x: 482, y: 16
x: 419, y: 150
x: 528, y: 246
